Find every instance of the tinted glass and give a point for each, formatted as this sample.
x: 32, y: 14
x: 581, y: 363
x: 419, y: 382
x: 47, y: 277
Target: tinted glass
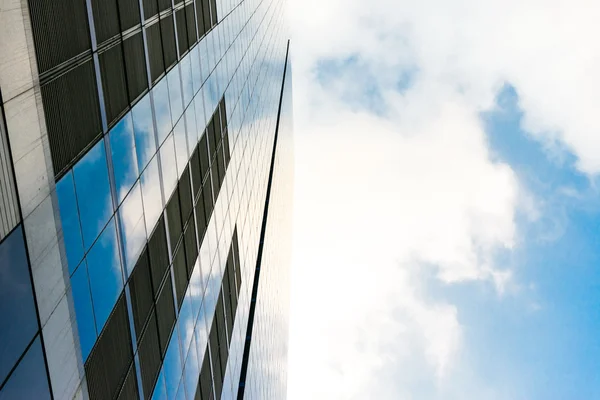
x: 160, y: 392
x: 82, y: 297
x: 172, y: 365
x: 162, y: 109
x: 124, y: 159
x: 196, y: 73
x: 93, y: 192
x: 186, y: 79
x: 29, y: 380
x: 169, y: 166
x: 200, y: 117
x: 191, y: 371
x: 175, y: 94
x: 186, y: 324
x: 143, y: 128
x: 69, y: 217
x: 133, y: 227
x: 151, y: 194
x: 192, y: 127
x: 106, y: 279
x: 181, y: 150
x: 17, y: 307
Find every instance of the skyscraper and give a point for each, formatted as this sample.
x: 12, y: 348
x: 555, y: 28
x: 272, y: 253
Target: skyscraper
x: 146, y: 177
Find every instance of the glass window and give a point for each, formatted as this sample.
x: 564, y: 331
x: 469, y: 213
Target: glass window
x: 124, y: 159
x: 160, y: 391
x: 186, y: 79
x: 82, y: 298
x: 29, y: 380
x: 133, y: 227
x: 169, y: 166
x: 93, y: 193
x: 104, y: 269
x: 186, y: 323
x: 175, y: 94
x: 201, y: 333
x: 172, y: 365
x: 69, y: 217
x: 143, y: 128
x: 200, y: 117
x: 151, y: 193
x: 181, y: 151
x: 162, y: 109
x: 180, y: 392
x: 192, y: 371
x: 17, y: 307
x: 192, y: 127
x: 196, y: 73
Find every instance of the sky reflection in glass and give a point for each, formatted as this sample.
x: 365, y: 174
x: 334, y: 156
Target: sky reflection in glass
x: 143, y: 127
x: 29, y: 380
x: 151, y: 193
x: 172, y: 365
x: 93, y: 191
x: 124, y: 159
x: 175, y: 94
x: 82, y: 298
x: 133, y: 227
x: 69, y: 216
x: 106, y: 279
x: 162, y: 109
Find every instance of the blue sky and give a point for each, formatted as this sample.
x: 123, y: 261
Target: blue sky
x: 446, y: 209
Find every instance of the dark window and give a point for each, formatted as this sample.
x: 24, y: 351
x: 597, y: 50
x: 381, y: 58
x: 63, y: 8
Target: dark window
x: 150, y: 8
x: 135, y: 66
x: 165, y: 314
x: 167, y: 29
x: 208, y: 199
x: 223, y: 343
x: 200, y: 218
x: 155, y: 51
x: 129, y: 13
x: 204, y: 157
x: 180, y: 272
x: 149, y: 355
x: 185, y: 195
x: 226, y: 149
x: 191, y: 249
x: 140, y: 286
x: 114, y: 83
x: 200, y: 19
x: 206, y: 15
x: 212, y: 138
x: 17, y: 307
x: 191, y: 24
x: 227, y: 303
x: 159, y: 255
x: 164, y: 5
x: 108, y: 364
x: 206, y: 386
x: 29, y: 379
x: 72, y: 113
x: 213, y: 12
x: 174, y: 220
x: 106, y: 19
x: 60, y: 31
x: 182, y: 37
x: 130, y: 388
x: 213, y: 340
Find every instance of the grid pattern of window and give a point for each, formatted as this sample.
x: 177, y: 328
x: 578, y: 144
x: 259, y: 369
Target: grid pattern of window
x: 150, y: 203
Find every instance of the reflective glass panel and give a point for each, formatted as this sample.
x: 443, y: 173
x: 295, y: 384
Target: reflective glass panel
x: 160, y: 391
x: 93, y: 193
x: 175, y: 94
x: 17, y: 307
x: 151, y: 193
x: 181, y: 150
x: 172, y: 365
x: 169, y: 166
x: 143, y: 128
x: 29, y: 380
x: 192, y: 127
x: 186, y: 79
x: 133, y: 227
x: 196, y: 73
x: 124, y: 159
x: 69, y: 217
x: 192, y: 371
x: 162, y: 109
x: 82, y: 297
x: 186, y: 323
x: 104, y: 269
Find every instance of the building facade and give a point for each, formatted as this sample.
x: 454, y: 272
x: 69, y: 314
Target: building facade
x: 146, y: 183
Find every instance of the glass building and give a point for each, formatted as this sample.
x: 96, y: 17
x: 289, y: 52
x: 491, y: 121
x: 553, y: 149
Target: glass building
x: 146, y: 184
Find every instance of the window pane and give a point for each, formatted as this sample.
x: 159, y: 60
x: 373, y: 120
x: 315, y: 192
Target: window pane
x: 17, y: 308
x: 172, y: 365
x: 93, y: 193
x: 192, y: 371
x: 122, y: 147
x: 133, y: 227
x: 192, y: 127
x: 69, y: 216
x: 186, y: 79
x: 162, y: 109
x: 196, y: 73
x: 151, y: 193
x: 160, y: 392
x: 29, y: 380
x: 169, y: 166
x: 181, y: 150
x: 106, y: 279
x: 82, y: 298
x: 175, y: 94
x: 143, y: 127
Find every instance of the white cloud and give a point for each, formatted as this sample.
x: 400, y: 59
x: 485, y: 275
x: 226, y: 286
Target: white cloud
x: 396, y: 190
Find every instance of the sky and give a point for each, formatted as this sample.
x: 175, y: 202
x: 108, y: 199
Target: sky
x: 447, y: 209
